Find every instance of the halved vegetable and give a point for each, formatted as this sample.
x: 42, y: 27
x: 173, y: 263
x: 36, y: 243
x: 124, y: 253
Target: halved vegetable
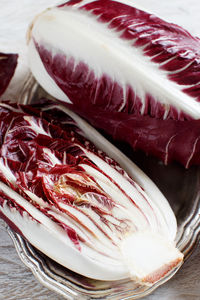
x: 109, y: 56
x: 76, y: 204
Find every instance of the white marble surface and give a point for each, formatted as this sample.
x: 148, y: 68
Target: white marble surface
x: 16, y: 281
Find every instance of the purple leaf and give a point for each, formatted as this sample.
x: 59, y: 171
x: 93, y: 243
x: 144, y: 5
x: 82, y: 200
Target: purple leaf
x: 8, y: 63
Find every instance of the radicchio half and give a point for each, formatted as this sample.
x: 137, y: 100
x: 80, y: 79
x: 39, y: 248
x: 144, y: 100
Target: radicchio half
x: 77, y: 205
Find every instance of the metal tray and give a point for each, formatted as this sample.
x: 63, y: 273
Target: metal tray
x: 182, y: 189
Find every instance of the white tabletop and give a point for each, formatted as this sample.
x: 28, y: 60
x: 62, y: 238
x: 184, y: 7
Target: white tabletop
x: 16, y: 281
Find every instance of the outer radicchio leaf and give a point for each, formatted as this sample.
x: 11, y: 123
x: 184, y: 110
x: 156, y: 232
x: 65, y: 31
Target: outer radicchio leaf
x: 169, y: 140
x: 116, y: 57
x: 77, y: 205
x: 8, y: 63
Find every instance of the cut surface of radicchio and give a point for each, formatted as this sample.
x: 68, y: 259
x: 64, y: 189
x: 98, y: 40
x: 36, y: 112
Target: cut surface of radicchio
x: 77, y: 205
x: 111, y: 57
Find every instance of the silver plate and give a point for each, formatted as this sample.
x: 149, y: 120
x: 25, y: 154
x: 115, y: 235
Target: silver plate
x: 181, y: 188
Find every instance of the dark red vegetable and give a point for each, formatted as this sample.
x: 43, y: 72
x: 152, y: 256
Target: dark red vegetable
x: 8, y: 63
x: 169, y: 140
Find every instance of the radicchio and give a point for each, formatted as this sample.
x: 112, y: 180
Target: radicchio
x: 77, y: 205
x: 8, y: 63
x: 169, y: 140
x: 112, y: 59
